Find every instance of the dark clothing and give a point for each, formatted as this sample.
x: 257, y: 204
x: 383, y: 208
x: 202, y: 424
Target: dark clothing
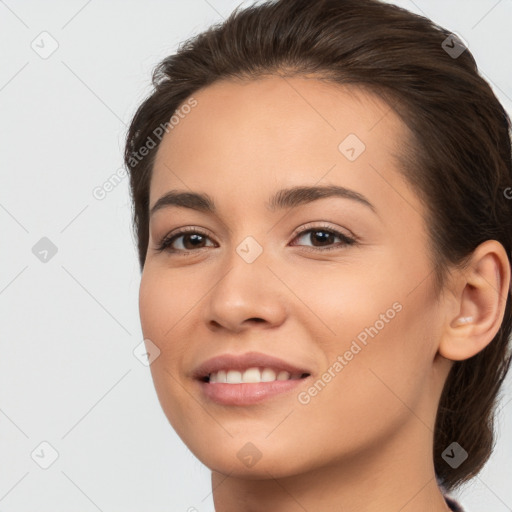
x: 453, y: 504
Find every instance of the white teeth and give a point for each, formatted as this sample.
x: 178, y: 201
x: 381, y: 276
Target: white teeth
x: 251, y: 375
x: 234, y: 377
x: 268, y: 375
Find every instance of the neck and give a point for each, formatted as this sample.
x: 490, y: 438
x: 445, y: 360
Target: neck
x: 397, y: 476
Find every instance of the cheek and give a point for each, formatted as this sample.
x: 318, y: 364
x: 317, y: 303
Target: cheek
x: 370, y: 393
x: 165, y: 301
x: 153, y: 302
x: 163, y: 312
x: 163, y: 315
x: 385, y: 334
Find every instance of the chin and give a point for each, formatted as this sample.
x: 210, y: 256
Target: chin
x: 264, y: 468
x: 250, y: 456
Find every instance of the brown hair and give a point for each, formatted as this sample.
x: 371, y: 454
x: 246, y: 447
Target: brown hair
x: 459, y: 161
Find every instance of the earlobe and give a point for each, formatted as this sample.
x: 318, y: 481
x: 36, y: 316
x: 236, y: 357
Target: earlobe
x: 481, y: 291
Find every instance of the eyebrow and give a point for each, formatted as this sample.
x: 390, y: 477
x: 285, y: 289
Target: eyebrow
x: 285, y: 198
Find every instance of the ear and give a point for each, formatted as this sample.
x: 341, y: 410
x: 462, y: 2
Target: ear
x: 476, y: 312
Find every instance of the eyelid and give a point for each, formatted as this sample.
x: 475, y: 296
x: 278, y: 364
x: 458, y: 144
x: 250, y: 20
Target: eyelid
x: 320, y: 225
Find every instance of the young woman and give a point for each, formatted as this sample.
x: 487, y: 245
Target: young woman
x: 321, y: 197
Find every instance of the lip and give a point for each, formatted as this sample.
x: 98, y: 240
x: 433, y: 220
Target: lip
x: 246, y: 393
x: 242, y: 362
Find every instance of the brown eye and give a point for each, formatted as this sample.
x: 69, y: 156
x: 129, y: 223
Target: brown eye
x: 193, y: 241
x: 186, y: 240
x: 323, y: 239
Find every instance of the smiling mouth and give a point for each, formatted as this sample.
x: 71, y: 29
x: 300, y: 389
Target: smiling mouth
x: 251, y: 386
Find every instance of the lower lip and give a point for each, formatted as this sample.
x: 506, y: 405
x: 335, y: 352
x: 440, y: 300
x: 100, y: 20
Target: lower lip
x: 247, y: 393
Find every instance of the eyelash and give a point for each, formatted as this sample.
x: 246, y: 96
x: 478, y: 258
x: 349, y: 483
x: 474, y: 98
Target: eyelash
x: 167, y: 241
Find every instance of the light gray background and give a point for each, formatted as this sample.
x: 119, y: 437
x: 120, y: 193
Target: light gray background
x: 68, y: 375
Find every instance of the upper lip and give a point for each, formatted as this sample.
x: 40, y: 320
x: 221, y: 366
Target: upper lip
x: 242, y: 362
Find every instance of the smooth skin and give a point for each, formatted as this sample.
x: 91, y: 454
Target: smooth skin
x: 364, y: 442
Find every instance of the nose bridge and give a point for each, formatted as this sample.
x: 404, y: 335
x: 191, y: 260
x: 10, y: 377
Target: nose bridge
x: 246, y: 288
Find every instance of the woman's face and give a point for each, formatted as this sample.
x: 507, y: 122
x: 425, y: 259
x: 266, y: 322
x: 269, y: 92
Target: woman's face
x: 337, y: 285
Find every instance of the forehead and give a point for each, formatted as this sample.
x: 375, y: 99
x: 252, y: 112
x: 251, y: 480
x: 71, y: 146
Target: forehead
x: 276, y: 132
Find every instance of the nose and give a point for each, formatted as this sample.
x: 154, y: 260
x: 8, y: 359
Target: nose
x: 247, y: 295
